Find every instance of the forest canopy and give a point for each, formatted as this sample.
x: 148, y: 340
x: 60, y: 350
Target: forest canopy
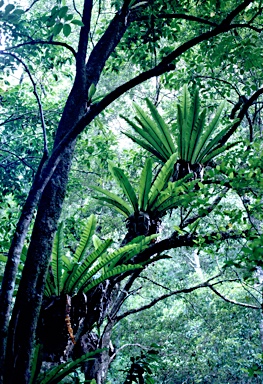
x: 131, y: 191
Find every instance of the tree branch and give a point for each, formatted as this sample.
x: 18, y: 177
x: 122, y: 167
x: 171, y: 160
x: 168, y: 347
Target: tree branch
x: 241, y: 116
x: 209, y: 209
x: 35, y: 42
x: 84, y: 37
x: 232, y: 301
x: 205, y: 284
x: 18, y: 157
x: 124, y: 346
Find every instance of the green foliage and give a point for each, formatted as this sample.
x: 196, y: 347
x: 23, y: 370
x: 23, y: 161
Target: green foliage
x: 155, y: 197
x: 56, y: 374
x: 84, y: 271
x: 194, y: 143
x: 142, y: 366
x: 60, y: 20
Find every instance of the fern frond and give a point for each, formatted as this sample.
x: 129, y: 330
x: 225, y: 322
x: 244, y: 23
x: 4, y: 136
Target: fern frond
x: 145, y: 184
x: 85, y: 239
x: 161, y: 180
x: 115, y: 271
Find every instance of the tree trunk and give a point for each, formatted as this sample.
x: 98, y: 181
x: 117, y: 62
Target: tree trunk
x: 29, y: 298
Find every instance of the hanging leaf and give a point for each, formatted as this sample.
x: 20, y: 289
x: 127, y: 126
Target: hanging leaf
x: 66, y: 30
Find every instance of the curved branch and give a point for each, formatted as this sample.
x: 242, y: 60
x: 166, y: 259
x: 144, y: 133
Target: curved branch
x: 221, y: 81
x: 37, y: 98
x: 241, y: 115
x: 35, y: 42
x: 209, y: 209
x: 232, y: 301
x: 205, y: 284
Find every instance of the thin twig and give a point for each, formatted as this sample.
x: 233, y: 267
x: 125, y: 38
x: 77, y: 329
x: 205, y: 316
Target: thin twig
x: 18, y: 157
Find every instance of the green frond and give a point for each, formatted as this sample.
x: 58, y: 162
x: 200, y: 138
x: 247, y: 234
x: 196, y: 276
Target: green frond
x: 66, y: 262
x: 152, y: 129
x: 133, y: 248
x: 56, y: 257
x: 56, y: 374
x: 115, y: 271
x: 180, y: 132
x: 167, y: 202
x: 114, y: 200
x: 145, y: 184
x: 201, y: 145
x: 76, y: 274
x: 50, y: 288
x: 148, y: 135
x: 192, y: 118
x: 161, y: 180
x: 163, y: 128
x: 146, y: 146
x: 115, y: 205
x: 96, y: 241
x: 184, y: 108
x: 196, y: 135
x: 85, y: 239
x: 210, y: 146
x: 126, y: 187
x: 218, y: 151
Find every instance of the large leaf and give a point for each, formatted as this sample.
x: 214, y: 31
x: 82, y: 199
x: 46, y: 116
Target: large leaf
x: 126, y: 187
x: 56, y: 258
x: 217, y: 151
x: 192, y: 118
x: 133, y: 248
x: 146, y: 146
x: 197, y: 130
x: 182, y: 121
x: 56, y: 374
x: 114, y: 200
x: 115, y: 271
x: 76, y: 276
x: 85, y: 239
x: 166, y: 203
x: 152, y: 129
x: 206, y: 135
x: 106, y: 260
x: 162, y: 179
x: 114, y: 204
x: 210, y: 146
x: 149, y: 136
x: 164, y: 131
x: 145, y: 184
